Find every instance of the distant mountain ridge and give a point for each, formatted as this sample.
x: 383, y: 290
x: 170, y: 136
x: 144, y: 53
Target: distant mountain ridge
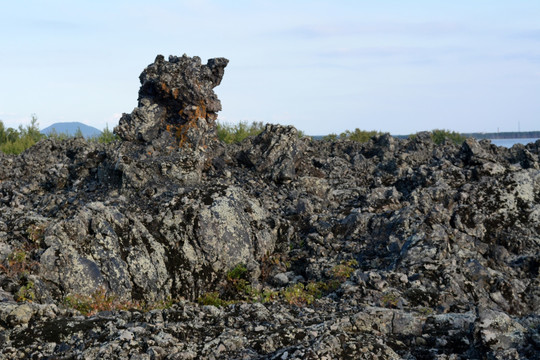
x: 70, y: 128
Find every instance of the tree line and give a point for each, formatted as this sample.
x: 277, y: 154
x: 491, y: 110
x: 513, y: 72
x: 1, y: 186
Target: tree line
x: 15, y: 141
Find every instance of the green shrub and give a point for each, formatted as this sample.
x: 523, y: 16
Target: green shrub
x: 26, y: 293
x: 237, y: 273
x: 14, y: 141
x: 300, y: 294
x: 213, y: 298
x: 330, y: 137
x: 232, y: 133
x: 106, y: 136
x: 57, y: 136
x: 438, y: 136
x: 358, y: 135
x: 344, y: 270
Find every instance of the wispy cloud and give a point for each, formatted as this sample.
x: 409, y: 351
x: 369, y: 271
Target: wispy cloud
x: 351, y: 29
x: 411, y: 55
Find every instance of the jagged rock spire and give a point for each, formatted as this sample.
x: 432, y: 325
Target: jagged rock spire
x: 176, y: 102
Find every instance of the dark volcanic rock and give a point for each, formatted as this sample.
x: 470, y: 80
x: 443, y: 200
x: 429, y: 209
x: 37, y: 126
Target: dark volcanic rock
x: 392, y: 249
x: 175, y: 97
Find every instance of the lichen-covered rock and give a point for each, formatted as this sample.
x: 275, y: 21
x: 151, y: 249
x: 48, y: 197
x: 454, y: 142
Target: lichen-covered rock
x: 276, y: 152
x: 392, y: 249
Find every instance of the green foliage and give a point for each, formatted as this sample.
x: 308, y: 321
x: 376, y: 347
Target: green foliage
x: 18, y: 264
x: 107, y: 136
x: 297, y: 294
x: 236, y: 287
x: 26, y: 293
x: 344, y: 270
x: 330, y: 137
x: 301, y: 295
x: 100, y: 300
x: 302, y: 134
x: 358, y: 135
x: 262, y: 296
x: 15, y: 141
x: 232, y: 133
x: 237, y: 273
x: 78, y: 133
x: 57, y: 136
x: 3, y: 136
x: 213, y: 298
x: 439, y: 136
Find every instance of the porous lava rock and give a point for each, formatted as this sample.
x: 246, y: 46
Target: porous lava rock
x: 176, y: 97
x: 310, y: 249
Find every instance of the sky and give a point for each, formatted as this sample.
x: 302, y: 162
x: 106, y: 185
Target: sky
x: 322, y: 66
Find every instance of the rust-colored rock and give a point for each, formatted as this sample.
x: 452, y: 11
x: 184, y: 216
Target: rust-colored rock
x: 176, y: 102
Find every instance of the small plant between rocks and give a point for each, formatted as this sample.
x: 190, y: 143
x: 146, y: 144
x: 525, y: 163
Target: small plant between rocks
x: 344, y: 270
x: 18, y: 264
x: 237, y: 289
x: 100, y: 300
x: 26, y: 292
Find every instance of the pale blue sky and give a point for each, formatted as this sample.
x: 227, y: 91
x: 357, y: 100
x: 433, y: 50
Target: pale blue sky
x: 323, y: 66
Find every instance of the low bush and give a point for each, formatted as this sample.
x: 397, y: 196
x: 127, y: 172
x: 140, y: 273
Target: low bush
x: 232, y: 133
x: 439, y: 136
x: 358, y: 135
x: 235, y: 133
x: 15, y: 141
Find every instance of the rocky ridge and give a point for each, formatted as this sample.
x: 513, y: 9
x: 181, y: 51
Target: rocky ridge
x: 392, y: 249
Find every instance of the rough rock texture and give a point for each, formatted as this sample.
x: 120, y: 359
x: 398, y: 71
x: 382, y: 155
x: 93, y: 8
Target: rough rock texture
x: 175, y: 97
x: 411, y: 250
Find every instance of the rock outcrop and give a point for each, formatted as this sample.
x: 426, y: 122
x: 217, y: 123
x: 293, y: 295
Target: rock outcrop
x: 176, y: 100
x: 392, y: 249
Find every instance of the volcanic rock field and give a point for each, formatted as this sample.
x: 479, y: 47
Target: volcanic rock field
x: 169, y: 244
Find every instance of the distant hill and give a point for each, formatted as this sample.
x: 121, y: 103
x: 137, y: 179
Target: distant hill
x: 71, y: 128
